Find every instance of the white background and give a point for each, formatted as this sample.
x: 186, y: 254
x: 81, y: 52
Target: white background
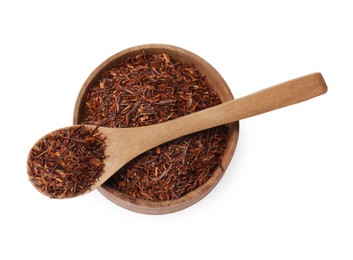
x: 288, y: 193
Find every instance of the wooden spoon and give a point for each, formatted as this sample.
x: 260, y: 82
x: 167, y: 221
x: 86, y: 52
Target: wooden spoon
x: 124, y: 144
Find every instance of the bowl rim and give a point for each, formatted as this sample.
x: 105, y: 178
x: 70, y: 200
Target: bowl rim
x: 223, y: 90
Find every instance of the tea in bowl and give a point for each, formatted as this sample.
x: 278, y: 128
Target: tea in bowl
x: 150, y: 84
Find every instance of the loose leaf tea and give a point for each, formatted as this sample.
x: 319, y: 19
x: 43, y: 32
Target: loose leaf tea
x: 67, y: 162
x: 147, y: 90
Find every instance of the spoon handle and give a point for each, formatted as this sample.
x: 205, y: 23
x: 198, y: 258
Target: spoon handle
x: 281, y: 95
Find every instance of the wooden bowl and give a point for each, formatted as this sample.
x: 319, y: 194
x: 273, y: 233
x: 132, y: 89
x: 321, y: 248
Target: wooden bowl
x: 215, y: 81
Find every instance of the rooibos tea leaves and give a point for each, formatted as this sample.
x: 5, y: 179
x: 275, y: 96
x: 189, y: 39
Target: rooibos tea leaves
x: 146, y: 90
x: 67, y: 161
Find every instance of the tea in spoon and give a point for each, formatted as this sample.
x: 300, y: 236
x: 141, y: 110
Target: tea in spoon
x: 86, y: 156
